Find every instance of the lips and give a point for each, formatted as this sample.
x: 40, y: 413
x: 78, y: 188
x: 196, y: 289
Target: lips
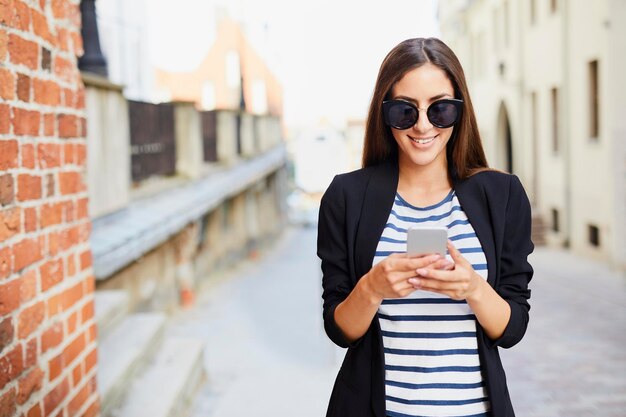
x: 423, y: 141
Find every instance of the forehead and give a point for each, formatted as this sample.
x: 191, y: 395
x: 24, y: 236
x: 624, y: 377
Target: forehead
x: 423, y: 83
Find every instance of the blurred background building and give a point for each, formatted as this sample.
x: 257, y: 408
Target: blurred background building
x: 546, y: 78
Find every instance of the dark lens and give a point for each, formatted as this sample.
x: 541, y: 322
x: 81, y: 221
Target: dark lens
x: 401, y: 115
x: 443, y: 114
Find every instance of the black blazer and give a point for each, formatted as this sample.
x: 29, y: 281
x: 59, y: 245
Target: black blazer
x: 353, y: 213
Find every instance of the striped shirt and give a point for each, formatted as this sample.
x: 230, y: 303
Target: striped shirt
x: 432, y: 367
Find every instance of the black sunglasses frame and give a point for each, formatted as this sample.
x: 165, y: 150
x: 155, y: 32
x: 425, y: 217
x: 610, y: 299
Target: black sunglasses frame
x: 388, y: 104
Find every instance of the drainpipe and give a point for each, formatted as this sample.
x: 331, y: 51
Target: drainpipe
x: 565, y: 126
x: 92, y: 60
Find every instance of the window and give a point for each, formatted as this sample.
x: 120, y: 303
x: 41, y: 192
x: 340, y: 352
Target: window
x: 554, y: 6
x: 555, y: 220
x: 554, y: 94
x: 594, y: 102
x: 594, y: 235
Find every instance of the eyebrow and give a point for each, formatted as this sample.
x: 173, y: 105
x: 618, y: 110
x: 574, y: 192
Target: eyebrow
x: 437, y: 97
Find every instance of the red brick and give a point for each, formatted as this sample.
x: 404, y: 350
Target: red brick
x: 10, y: 221
x: 83, y: 208
x: 51, y: 274
x: 30, y: 356
x: 11, y: 366
x: 28, y: 286
x: 4, y: 40
x: 68, y: 126
x: 28, y: 156
x: 61, y: 302
x: 7, y: 12
x: 8, y: 154
x: 74, y: 349
x: 28, y: 384
x: 7, y: 331
x: 81, y: 154
x: 55, y: 397
x: 85, y: 260
x: 26, y: 122
x: 22, y: 16
x: 87, y: 312
x: 54, y: 243
x: 41, y: 27
x: 77, y: 374
x: 77, y: 41
x: 63, y: 39
x: 23, y: 52
x: 51, y: 214
x: 30, y: 219
x: 78, y: 401
x: 35, y: 411
x: 71, y: 323
x: 92, y: 333
x: 49, y: 155
x: 7, y: 189
x: 9, y: 297
x: 47, y: 92
x: 90, y: 360
x: 5, y: 117
x: 5, y: 262
x: 23, y: 87
x: 52, y: 337
x: 25, y: 253
x: 7, y: 400
x: 7, y: 84
x: 49, y: 185
x: 93, y: 410
x: 69, y: 153
x: 66, y: 70
x: 71, y: 183
x: 70, y: 266
x: 55, y: 367
x: 29, y: 320
x: 49, y: 123
x: 28, y: 187
x: 60, y: 9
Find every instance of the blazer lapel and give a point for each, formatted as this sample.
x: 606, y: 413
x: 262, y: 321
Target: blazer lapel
x: 474, y: 203
x: 377, y: 202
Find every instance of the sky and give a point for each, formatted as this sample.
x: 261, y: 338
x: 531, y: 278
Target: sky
x: 326, y: 53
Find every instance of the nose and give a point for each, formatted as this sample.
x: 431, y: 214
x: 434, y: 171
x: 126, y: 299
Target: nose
x: 422, y: 124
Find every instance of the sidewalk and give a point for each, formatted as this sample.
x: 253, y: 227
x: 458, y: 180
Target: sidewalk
x: 267, y: 354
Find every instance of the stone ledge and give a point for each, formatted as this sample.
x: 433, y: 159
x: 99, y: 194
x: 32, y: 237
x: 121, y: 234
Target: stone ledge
x: 124, y: 236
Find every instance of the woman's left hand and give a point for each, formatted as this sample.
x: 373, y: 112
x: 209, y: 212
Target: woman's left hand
x: 460, y: 282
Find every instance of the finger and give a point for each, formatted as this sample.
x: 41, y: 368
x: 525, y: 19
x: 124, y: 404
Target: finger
x: 456, y: 255
x: 441, y: 275
x: 443, y: 264
x: 438, y: 285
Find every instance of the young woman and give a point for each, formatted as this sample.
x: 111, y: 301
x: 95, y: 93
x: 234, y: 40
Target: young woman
x: 423, y: 332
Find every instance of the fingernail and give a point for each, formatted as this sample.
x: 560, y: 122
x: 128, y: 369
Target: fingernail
x: 422, y: 272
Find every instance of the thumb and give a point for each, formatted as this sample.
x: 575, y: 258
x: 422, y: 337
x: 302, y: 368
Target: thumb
x: 456, y: 255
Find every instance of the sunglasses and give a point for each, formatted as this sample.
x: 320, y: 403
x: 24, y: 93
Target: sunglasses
x: 401, y: 114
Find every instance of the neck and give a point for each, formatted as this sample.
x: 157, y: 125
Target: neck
x: 431, y: 177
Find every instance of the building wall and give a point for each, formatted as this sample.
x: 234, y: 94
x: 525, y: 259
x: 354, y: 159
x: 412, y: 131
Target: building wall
x: 47, y: 330
x: 549, y: 50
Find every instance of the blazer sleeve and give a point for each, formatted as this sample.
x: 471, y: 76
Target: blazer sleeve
x: 333, y: 251
x: 515, y: 271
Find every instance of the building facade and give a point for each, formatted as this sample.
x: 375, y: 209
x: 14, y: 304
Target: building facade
x: 546, y: 84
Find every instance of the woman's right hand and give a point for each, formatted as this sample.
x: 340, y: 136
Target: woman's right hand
x: 390, y: 277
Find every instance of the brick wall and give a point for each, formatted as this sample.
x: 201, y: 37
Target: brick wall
x: 47, y: 328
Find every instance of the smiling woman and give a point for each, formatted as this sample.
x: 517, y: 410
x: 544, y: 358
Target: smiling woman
x: 423, y: 331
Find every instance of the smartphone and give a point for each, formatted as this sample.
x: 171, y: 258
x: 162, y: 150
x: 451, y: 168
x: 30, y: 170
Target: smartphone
x: 427, y: 240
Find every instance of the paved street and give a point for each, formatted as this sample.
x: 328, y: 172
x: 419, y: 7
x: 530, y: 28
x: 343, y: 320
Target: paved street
x: 267, y: 355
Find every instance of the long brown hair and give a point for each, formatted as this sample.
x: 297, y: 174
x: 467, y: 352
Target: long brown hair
x: 464, y: 150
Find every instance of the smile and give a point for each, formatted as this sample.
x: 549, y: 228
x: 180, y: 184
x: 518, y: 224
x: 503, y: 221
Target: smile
x: 422, y: 141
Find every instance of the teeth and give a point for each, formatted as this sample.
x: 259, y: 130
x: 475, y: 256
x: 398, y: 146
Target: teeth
x: 422, y: 141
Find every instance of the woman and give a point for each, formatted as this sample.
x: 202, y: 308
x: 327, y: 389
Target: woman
x: 423, y: 332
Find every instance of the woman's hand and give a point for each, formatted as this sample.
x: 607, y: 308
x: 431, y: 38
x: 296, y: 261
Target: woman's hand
x: 458, y: 281
x: 390, y: 278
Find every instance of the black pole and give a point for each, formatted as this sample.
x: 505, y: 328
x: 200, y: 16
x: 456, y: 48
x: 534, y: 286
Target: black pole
x: 92, y: 60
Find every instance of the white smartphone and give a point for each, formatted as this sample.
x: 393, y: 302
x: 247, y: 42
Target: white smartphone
x: 427, y: 240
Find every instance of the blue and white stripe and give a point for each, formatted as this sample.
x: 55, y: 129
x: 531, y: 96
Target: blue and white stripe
x: 432, y: 368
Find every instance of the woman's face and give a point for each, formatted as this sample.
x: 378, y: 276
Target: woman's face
x: 423, y: 144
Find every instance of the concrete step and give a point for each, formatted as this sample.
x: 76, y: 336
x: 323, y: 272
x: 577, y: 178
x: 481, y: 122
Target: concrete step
x: 124, y: 353
x: 167, y: 387
x: 111, y: 307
